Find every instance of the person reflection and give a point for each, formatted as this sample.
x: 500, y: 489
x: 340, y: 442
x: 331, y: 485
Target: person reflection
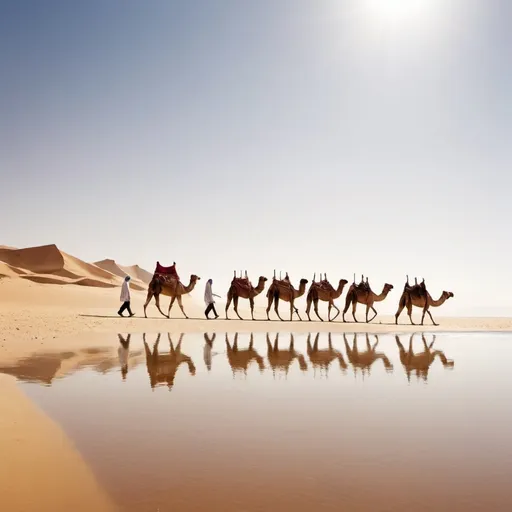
x: 364, y: 360
x: 162, y: 368
x: 420, y: 363
x: 322, y: 359
x: 207, y: 350
x: 123, y: 353
x: 282, y: 359
x: 239, y: 360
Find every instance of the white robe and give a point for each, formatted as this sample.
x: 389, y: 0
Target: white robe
x: 208, y: 294
x: 125, y: 292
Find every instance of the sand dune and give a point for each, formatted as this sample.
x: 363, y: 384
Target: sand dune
x: 47, y: 264
x: 138, y: 273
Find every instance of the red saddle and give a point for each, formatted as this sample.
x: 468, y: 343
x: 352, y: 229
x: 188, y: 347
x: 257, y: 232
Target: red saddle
x: 160, y: 269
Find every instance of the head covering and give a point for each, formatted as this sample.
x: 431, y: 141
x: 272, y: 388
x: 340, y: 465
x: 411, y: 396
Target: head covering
x: 127, y: 278
x: 210, y: 281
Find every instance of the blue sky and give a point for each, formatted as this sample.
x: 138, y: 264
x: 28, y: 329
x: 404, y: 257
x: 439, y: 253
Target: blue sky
x: 339, y: 136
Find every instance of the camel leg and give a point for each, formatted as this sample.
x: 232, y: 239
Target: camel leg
x: 354, y: 307
x: 291, y: 348
x: 345, y: 309
x: 180, y: 303
x: 171, y: 304
x: 297, y: 312
x: 308, y: 308
x: 399, y: 312
x: 316, y: 310
x: 337, y: 314
x: 429, y: 314
x: 409, y: 313
x: 157, y: 301
x: 291, y: 310
x: 276, y: 307
x: 270, y: 300
x: 374, y: 313
x: 251, y: 303
x: 228, y: 303
x: 235, y: 306
x: 148, y: 300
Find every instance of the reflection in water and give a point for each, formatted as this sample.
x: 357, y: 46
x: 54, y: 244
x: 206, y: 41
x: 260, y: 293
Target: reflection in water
x: 162, y: 368
x: 321, y: 359
x: 364, y: 360
x: 280, y: 359
x: 208, y: 350
x: 421, y: 362
x: 44, y: 367
x: 239, y: 360
x: 296, y: 443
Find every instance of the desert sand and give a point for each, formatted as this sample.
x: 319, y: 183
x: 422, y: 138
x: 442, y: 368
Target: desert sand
x: 51, y: 301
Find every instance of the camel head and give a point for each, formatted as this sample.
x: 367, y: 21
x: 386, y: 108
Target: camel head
x: 264, y: 279
x: 447, y: 295
x: 343, y: 282
x: 388, y: 287
x: 304, y: 281
x: 194, y: 278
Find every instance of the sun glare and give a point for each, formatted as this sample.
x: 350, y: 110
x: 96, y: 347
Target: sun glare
x: 399, y: 14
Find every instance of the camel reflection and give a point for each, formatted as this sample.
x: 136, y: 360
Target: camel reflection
x: 421, y: 362
x: 239, y: 360
x: 162, y: 368
x: 321, y: 359
x: 364, y: 360
x: 282, y: 359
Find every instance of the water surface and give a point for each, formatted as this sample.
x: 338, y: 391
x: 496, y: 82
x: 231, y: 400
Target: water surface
x: 320, y: 422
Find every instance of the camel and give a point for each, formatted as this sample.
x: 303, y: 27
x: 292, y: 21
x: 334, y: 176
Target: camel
x: 283, y: 289
x: 242, y: 288
x: 162, y: 368
x: 363, y: 294
x: 323, y: 290
x: 323, y: 358
x: 419, y: 296
x: 420, y: 362
x: 171, y: 287
x: 239, y: 360
x: 282, y: 359
x: 364, y: 360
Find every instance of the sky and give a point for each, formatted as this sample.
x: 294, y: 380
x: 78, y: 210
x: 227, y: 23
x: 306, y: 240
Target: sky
x: 349, y: 136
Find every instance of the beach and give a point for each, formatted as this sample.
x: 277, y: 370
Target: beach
x: 42, y: 314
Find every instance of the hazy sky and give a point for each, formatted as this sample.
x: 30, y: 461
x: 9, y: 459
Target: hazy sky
x: 367, y: 136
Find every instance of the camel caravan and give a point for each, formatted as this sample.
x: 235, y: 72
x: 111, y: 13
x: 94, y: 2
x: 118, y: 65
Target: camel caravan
x: 166, y: 281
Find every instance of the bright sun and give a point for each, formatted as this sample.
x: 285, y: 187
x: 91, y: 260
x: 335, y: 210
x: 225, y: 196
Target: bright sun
x: 399, y: 13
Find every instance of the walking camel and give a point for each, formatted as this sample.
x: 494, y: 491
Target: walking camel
x: 323, y: 290
x: 283, y: 289
x: 242, y: 288
x: 363, y: 294
x: 364, y: 360
x: 172, y: 287
x: 162, y: 368
x: 421, y: 362
x: 322, y: 359
x: 282, y: 359
x: 418, y: 295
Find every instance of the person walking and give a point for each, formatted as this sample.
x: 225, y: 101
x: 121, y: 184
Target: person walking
x: 125, y: 297
x: 208, y: 299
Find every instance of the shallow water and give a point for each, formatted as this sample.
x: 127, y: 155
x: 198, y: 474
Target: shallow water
x: 209, y: 427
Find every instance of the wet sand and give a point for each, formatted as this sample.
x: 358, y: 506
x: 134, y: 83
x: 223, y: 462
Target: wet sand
x: 40, y: 470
